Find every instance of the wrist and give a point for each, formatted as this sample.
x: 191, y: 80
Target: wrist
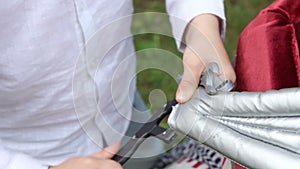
x: 207, y: 24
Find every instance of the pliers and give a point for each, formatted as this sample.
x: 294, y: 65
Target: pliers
x: 150, y: 128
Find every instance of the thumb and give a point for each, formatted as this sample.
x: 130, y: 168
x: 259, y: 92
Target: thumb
x: 108, y: 152
x: 193, y: 68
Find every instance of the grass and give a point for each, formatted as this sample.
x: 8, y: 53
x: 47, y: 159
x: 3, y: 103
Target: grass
x: 239, y: 14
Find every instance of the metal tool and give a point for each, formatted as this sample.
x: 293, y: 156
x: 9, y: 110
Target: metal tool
x: 150, y: 128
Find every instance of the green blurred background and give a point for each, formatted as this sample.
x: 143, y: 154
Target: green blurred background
x: 239, y: 13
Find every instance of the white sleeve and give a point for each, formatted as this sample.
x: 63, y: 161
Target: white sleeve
x: 10, y: 160
x: 183, y: 11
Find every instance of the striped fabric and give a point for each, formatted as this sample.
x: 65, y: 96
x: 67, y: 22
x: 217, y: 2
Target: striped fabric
x: 191, y: 154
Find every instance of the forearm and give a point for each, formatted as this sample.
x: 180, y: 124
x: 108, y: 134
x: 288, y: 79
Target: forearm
x: 182, y: 12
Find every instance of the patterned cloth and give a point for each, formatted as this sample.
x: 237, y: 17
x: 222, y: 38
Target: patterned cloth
x: 190, y: 154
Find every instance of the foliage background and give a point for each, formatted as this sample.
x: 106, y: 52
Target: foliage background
x: 239, y: 13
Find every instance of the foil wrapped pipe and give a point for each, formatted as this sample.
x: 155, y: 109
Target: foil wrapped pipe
x: 255, y: 129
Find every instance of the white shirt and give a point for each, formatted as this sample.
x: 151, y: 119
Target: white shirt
x: 40, y: 42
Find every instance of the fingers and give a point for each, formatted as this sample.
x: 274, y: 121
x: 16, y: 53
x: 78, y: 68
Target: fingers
x: 228, y: 72
x: 101, y: 160
x: 193, y: 68
x: 88, y: 163
x: 108, y: 152
x: 109, y: 164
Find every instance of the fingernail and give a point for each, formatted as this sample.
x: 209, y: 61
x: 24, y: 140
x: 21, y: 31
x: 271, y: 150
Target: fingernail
x: 180, y: 96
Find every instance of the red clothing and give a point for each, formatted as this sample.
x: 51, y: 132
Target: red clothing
x: 268, y: 49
